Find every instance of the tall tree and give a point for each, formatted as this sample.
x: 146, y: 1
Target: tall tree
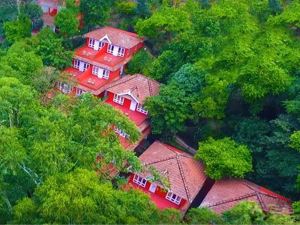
x: 95, y: 13
x: 218, y: 156
x: 18, y: 29
x: 79, y: 197
x: 67, y: 22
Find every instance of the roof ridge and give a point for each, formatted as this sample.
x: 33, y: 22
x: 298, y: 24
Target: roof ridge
x: 232, y: 200
x: 122, y: 80
x: 161, y: 160
x: 261, y: 202
x: 183, y: 177
x: 257, y: 189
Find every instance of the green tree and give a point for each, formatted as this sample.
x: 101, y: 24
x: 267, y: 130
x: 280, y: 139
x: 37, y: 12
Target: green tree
x: 18, y: 29
x: 95, y: 13
x: 78, y: 197
x: 67, y: 22
x: 22, y: 60
x: 202, y: 216
x: 163, y: 25
x: 140, y: 62
x: 274, y: 162
x: 218, y: 156
x: 11, y: 149
x: 295, y: 140
x: 15, y: 98
x: 46, y: 80
x: 247, y: 213
x: 275, y: 6
x: 34, y: 12
x: 142, y: 9
x: 51, y: 50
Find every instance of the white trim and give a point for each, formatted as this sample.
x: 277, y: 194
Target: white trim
x: 129, y: 93
x: 118, y: 99
x: 79, y: 92
x: 64, y: 87
x: 105, y: 37
x: 173, y: 198
x: 91, y: 42
x: 100, y: 72
x: 121, y: 132
x: 141, y: 109
x: 110, y: 48
x: 121, y: 51
x: 76, y: 63
x: 139, y: 180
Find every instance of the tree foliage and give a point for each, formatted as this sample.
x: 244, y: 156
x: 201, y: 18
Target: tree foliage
x: 218, y: 156
x: 17, y: 29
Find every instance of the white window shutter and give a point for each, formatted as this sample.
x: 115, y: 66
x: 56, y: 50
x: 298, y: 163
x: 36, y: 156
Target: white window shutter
x: 96, y: 45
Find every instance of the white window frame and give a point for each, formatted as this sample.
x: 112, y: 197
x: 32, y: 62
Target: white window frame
x: 110, y: 48
x: 121, y: 51
x: 92, y: 42
x: 76, y: 63
x: 101, y: 44
x: 173, y: 198
x: 79, y: 92
x: 121, y: 132
x: 118, y: 99
x: 85, y: 66
x: 105, y: 74
x: 141, y: 109
x: 139, y: 180
x: 95, y: 70
x: 64, y: 87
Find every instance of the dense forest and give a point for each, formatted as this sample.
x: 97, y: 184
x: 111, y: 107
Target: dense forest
x: 230, y: 75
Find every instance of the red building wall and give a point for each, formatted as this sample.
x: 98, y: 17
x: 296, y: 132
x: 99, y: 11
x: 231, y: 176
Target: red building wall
x: 110, y: 98
x: 114, y: 74
x: 159, y: 191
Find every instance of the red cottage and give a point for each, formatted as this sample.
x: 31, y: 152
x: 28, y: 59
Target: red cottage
x: 189, y: 187
x: 227, y: 193
x: 50, y: 9
x: 101, y: 60
x: 128, y: 95
x: 184, y: 174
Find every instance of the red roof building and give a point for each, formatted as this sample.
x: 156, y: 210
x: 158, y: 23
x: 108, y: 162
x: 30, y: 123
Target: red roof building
x: 189, y: 186
x: 183, y: 173
x: 128, y: 95
x: 101, y: 60
x: 225, y: 194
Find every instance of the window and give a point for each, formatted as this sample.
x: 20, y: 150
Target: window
x: 121, y: 133
x: 139, y: 180
x: 173, y: 198
x: 95, y: 70
x: 105, y: 74
x: 76, y: 63
x: 101, y: 44
x: 118, y: 99
x: 91, y: 43
x: 110, y: 48
x: 85, y: 66
x: 79, y: 91
x: 101, y: 73
x: 141, y: 109
x: 121, y: 52
x: 64, y: 87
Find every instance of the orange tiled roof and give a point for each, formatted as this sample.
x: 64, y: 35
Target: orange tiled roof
x: 139, y: 86
x: 227, y: 193
x: 185, y: 174
x: 118, y: 37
